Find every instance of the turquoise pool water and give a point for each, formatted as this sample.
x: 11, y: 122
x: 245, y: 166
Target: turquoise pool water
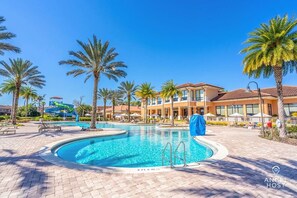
x: 141, y: 147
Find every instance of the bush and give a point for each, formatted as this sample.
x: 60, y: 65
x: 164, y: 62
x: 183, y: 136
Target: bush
x: 292, y: 129
x: 221, y: 123
x: 2, y: 118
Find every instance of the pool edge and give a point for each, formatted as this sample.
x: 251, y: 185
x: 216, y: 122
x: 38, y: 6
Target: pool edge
x: 219, y: 153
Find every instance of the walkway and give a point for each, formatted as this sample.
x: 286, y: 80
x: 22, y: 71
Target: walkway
x: 246, y: 172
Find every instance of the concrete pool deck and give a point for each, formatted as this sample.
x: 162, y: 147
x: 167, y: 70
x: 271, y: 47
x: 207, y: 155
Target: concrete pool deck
x: 246, y: 172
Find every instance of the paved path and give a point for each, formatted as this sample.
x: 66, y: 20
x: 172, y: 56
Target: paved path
x: 244, y: 173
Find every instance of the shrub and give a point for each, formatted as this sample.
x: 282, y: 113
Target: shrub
x: 2, y: 118
x: 222, y: 123
x: 292, y: 129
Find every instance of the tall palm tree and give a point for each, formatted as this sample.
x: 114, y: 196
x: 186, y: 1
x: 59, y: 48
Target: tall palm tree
x: 94, y: 60
x: 28, y: 93
x: 169, y: 90
x: 145, y: 91
x: 116, y: 98
x: 128, y: 90
x: 5, y: 36
x: 41, y: 102
x: 272, y: 50
x: 21, y: 72
x: 104, y: 94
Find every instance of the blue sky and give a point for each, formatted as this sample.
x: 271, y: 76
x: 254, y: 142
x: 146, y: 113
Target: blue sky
x: 188, y: 41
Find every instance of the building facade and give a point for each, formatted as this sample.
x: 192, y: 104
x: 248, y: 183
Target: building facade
x: 5, y: 110
x: 205, y: 98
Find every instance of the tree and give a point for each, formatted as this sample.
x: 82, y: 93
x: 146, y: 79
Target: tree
x: 116, y: 98
x: 6, y: 36
x: 41, y: 103
x: 78, y: 104
x: 21, y: 72
x: 169, y: 90
x: 8, y: 87
x: 272, y: 50
x: 28, y: 93
x: 145, y: 91
x: 94, y: 60
x: 104, y: 94
x: 31, y: 111
x: 128, y: 89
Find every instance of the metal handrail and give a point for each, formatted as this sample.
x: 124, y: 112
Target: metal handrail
x: 163, y: 154
x: 184, y: 158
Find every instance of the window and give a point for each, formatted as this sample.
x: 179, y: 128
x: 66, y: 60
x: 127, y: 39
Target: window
x: 184, y: 95
x: 193, y: 95
x: 175, y: 98
x: 159, y: 100
x: 199, y: 95
x: 252, y: 109
x: 220, y: 110
x: 153, y: 101
x: 148, y: 101
x: 269, y: 109
x: 290, y: 108
x: 167, y: 99
x: 234, y: 109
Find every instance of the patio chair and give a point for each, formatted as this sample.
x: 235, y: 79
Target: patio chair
x: 7, y: 130
x: 45, y: 126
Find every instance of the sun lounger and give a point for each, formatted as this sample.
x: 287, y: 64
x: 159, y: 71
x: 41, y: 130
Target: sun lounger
x: 7, y: 130
x: 45, y: 126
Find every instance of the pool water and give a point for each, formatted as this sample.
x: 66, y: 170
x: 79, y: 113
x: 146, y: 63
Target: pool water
x: 142, y: 146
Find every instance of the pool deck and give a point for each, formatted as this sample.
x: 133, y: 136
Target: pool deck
x: 246, y: 171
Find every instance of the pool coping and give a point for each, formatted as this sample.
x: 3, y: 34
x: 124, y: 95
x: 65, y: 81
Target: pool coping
x: 219, y: 153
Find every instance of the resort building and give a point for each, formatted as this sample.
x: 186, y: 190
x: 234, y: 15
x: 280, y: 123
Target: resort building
x: 5, y: 110
x: 205, y: 98
x: 121, y: 111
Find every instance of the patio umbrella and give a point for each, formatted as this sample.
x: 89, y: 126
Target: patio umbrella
x: 209, y: 115
x: 135, y: 115
x: 124, y: 115
x: 236, y: 115
x: 117, y: 115
x: 258, y: 115
x: 155, y: 115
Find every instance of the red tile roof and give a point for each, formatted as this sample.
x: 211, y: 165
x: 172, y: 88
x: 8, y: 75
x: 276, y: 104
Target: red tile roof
x: 201, y: 84
x: 266, y: 92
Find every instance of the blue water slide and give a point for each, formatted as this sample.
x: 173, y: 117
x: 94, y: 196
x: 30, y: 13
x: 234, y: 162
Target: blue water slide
x: 197, y: 125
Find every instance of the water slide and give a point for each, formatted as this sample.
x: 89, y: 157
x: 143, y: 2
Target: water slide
x: 62, y: 109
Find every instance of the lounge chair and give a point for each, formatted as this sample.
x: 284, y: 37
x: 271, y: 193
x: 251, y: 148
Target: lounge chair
x: 45, y: 126
x: 7, y: 130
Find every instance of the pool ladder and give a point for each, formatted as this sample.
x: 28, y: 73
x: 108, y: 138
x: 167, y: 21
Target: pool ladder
x: 175, y: 154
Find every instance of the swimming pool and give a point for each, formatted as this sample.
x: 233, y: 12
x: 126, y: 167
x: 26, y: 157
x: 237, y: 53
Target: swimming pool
x: 142, y: 146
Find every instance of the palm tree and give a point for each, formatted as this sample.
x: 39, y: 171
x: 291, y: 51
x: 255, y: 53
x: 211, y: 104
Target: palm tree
x: 145, y: 91
x: 95, y: 59
x: 116, y: 98
x: 40, y: 100
x: 272, y: 50
x: 128, y: 90
x: 28, y: 93
x: 8, y: 87
x: 169, y: 90
x: 105, y: 95
x: 5, y: 36
x: 21, y: 72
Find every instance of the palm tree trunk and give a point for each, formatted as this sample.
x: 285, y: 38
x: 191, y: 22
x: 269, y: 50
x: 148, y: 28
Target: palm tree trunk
x: 27, y: 103
x: 15, y: 106
x: 113, y: 106
x: 12, y: 106
x: 104, y: 109
x: 278, y: 76
x: 129, y: 101
x: 145, y: 111
x: 94, y: 106
x: 172, y: 113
